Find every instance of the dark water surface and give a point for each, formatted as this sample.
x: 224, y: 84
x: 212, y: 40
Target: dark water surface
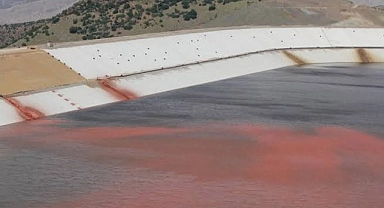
x: 293, y: 137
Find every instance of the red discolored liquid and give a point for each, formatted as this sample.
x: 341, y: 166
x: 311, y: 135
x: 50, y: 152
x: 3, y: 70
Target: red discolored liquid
x: 233, y: 166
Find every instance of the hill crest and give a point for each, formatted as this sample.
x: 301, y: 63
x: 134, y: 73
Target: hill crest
x: 93, y: 19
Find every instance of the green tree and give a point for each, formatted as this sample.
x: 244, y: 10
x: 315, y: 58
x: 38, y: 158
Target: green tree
x: 73, y: 30
x: 190, y: 15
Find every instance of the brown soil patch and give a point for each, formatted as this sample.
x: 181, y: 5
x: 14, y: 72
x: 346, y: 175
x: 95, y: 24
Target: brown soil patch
x: 29, y: 70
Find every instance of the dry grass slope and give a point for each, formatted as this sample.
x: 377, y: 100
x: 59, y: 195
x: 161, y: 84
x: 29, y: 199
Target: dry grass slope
x: 91, y: 19
x: 29, y: 70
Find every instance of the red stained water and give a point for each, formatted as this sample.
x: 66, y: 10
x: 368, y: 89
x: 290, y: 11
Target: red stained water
x: 235, y: 166
x: 327, y: 155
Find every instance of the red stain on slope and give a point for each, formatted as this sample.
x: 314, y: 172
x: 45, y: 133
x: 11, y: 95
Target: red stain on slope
x: 121, y: 94
x: 27, y: 113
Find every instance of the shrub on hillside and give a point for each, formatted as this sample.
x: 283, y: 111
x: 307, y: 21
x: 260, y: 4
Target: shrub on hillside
x: 190, y: 15
x: 73, y: 30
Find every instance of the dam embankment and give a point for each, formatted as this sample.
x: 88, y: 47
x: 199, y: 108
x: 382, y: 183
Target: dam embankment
x: 74, y: 76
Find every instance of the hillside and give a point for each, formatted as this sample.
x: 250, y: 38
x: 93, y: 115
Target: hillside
x: 93, y: 19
